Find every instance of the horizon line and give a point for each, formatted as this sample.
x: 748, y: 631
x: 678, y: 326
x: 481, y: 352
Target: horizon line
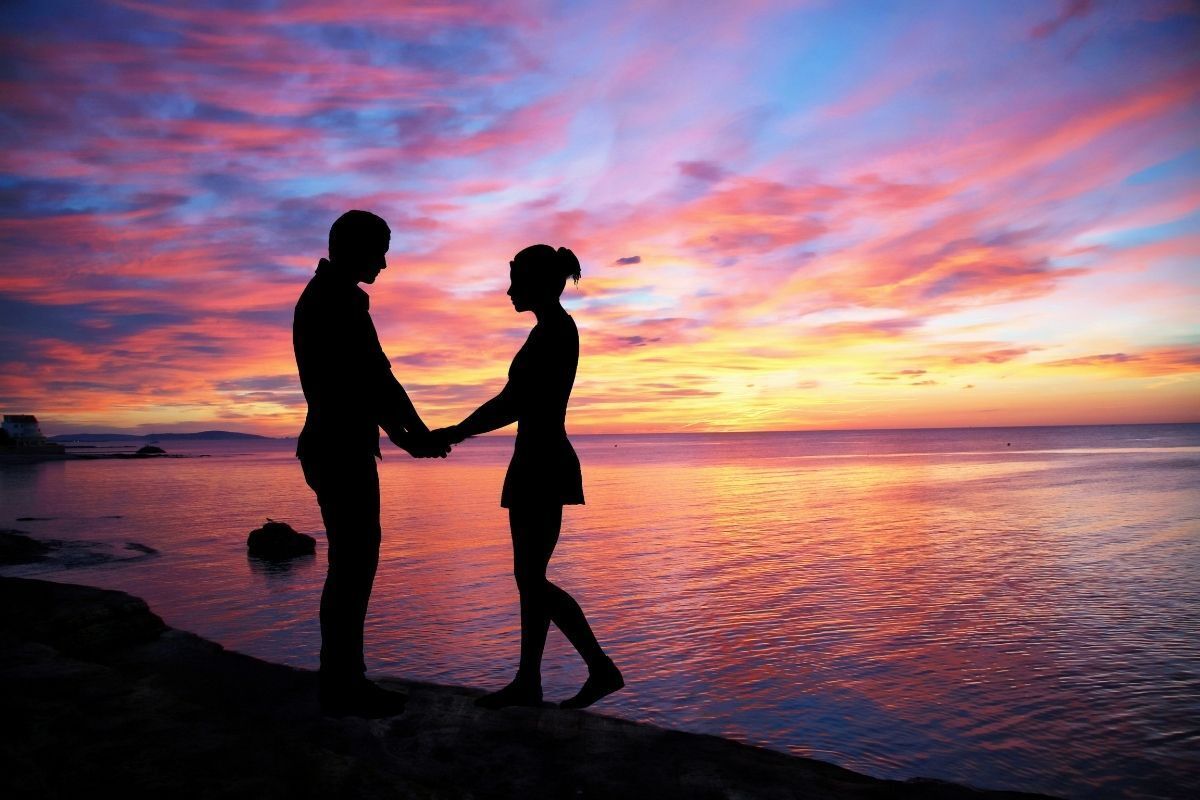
x: 494, y: 434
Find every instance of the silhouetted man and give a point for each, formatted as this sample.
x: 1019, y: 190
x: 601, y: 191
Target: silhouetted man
x: 351, y: 393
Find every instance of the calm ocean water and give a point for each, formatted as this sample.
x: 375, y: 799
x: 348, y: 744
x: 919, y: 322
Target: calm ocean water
x: 1011, y: 608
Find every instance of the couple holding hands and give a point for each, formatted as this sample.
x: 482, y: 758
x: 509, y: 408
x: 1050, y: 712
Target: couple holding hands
x: 351, y: 393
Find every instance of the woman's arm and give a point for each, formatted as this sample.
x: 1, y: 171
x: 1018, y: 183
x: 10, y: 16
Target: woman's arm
x: 501, y: 410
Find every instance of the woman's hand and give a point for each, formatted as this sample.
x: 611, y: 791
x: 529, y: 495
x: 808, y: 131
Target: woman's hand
x: 450, y: 435
x: 422, y: 445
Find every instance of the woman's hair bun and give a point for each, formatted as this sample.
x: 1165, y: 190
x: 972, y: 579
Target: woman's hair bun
x: 568, y: 264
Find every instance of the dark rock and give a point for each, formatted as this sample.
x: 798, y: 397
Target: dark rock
x: 150, y: 450
x: 279, y: 540
x: 17, y: 548
x: 75, y: 620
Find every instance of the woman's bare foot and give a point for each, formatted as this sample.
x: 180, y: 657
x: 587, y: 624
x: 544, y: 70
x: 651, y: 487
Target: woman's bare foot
x: 515, y: 694
x: 601, y: 682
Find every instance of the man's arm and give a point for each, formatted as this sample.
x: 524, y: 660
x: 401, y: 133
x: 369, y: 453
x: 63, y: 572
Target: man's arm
x: 397, y: 414
x: 403, y: 425
x: 394, y: 411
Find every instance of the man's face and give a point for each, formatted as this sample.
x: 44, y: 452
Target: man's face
x: 365, y: 262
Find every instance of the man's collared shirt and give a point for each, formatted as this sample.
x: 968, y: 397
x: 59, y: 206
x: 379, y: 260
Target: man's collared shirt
x: 342, y: 366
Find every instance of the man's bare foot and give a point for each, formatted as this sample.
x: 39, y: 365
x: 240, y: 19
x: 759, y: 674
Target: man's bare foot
x: 601, y: 682
x: 515, y: 694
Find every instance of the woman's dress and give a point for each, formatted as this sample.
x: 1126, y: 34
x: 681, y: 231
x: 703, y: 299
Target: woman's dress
x: 544, y: 469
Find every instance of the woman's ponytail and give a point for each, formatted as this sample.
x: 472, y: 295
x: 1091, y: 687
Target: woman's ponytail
x: 568, y: 264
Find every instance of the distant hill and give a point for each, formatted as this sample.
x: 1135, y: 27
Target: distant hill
x: 202, y: 436
x: 96, y: 437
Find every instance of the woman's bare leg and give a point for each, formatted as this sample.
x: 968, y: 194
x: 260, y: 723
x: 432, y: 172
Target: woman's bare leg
x: 535, y: 533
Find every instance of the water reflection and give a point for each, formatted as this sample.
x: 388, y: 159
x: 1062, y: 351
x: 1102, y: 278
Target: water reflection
x: 19, y: 480
x: 280, y: 569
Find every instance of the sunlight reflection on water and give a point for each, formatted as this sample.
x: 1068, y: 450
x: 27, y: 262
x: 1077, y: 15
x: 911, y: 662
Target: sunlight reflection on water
x: 947, y: 606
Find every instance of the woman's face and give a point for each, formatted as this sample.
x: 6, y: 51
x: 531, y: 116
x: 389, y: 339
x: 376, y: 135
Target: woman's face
x: 520, y: 287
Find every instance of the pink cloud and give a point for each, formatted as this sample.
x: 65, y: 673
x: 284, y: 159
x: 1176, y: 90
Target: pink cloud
x: 1070, y: 10
x: 1154, y: 361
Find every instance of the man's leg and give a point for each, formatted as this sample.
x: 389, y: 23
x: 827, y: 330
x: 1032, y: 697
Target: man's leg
x: 348, y: 493
x: 349, y: 499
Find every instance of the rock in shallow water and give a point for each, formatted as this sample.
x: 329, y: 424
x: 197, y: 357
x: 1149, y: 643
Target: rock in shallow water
x: 17, y: 548
x: 275, y: 540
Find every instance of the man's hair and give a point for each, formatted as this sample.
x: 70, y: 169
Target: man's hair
x: 354, y: 228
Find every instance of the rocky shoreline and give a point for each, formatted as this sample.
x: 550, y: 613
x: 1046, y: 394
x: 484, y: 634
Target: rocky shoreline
x: 100, y: 696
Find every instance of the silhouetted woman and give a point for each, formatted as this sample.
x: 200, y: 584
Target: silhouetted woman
x: 543, y: 475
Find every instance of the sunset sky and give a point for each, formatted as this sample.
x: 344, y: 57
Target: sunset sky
x: 796, y: 215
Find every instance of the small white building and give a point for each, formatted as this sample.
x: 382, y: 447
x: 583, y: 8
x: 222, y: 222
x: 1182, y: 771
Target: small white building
x: 23, y: 429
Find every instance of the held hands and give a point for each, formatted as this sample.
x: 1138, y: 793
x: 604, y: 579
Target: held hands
x: 422, y: 445
x: 434, y: 444
x: 451, y: 434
